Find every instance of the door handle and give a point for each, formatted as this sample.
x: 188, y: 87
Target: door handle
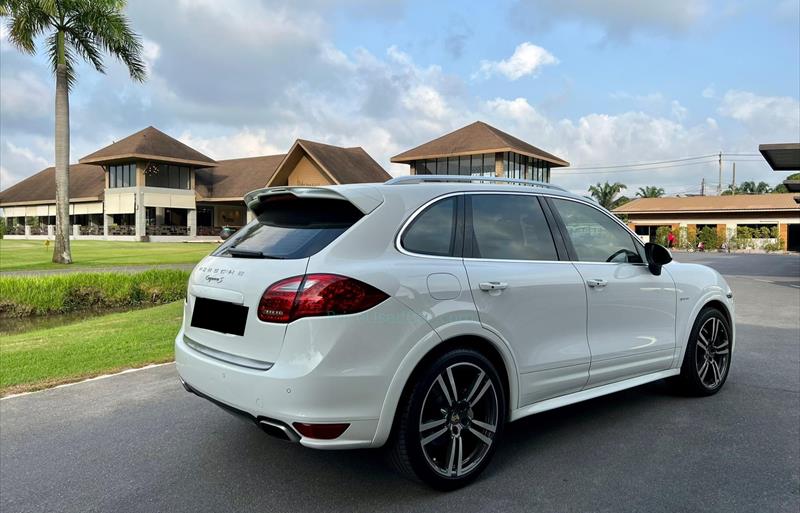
x: 596, y: 283
x: 492, y: 285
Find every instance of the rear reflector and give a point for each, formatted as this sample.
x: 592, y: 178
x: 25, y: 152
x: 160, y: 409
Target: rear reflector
x: 316, y: 295
x: 320, y: 431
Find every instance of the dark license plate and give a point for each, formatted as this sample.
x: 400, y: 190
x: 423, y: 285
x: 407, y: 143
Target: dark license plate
x: 220, y: 316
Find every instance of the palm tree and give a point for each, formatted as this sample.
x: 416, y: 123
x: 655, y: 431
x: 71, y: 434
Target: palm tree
x: 651, y: 191
x: 763, y: 188
x: 75, y: 29
x: 606, y: 193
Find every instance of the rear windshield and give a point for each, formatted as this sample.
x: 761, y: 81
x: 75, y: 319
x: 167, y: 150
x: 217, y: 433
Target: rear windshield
x: 290, y: 227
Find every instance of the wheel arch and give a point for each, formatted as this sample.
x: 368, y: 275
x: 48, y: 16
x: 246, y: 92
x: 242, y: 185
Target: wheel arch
x: 719, y: 305
x: 711, y: 300
x: 495, y: 351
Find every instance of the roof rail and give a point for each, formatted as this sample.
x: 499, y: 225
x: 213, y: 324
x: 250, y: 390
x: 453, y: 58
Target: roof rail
x: 468, y: 179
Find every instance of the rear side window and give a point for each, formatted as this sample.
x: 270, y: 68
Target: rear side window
x: 433, y: 231
x: 510, y: 227
x: 290, y: 227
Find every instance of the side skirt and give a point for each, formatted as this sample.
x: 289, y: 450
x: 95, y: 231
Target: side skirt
x: 590, y: 393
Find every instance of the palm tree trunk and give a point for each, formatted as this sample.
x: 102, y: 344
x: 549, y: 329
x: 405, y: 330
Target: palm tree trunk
x: 61, y: 250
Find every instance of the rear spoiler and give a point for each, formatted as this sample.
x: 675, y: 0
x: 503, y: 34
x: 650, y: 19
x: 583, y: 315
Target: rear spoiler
x: 364, y: 198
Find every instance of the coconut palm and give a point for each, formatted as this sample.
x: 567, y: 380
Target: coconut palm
x: 606, y: 194
x: 651, y: 191
x: 73, y: 30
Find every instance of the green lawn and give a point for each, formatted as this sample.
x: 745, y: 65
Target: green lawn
x: 99, y: 345
x: 17, y: 255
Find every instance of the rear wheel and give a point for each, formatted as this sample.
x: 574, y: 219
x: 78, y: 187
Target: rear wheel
x: 708, y: 354
x: 450, y: 421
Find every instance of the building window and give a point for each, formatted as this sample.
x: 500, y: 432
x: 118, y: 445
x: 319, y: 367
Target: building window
x: 466, y: 165
x: 121, y: 175
x: 168, y: 176
x: 205, y: 216
x: 123, y: 219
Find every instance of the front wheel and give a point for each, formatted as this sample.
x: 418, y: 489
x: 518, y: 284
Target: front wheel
x: 708, y: 354
x: 449, y: 424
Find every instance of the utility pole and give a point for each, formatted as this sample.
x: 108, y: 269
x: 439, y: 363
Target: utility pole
x: 733, y: 182
x: 703, y: 187
x: 719, y: 184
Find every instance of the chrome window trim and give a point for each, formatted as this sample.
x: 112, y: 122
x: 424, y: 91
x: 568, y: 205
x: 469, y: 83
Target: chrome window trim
x: 222, y: 356
x: 398, y: 238
x: 425, y: 205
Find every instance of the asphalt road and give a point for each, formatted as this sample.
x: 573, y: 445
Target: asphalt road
x: 138, y: 442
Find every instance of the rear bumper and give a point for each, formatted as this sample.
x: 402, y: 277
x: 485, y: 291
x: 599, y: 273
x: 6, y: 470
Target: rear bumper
x: 274, y: 402
x: 272, y: 427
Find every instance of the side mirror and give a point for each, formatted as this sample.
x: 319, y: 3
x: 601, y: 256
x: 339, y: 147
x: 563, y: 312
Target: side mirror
x: 657, y: 256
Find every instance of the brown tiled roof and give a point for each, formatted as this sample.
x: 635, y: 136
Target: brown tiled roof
x: 85, y: 182
x: 342, y: 165
x: 739, y: 202
x: 236, y: 177
x: 149, y: 144
x: 476, y: 138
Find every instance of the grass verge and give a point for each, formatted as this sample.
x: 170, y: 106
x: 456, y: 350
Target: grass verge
x: 21, y: 296
x: 29, y: 255
x: 43, y: 358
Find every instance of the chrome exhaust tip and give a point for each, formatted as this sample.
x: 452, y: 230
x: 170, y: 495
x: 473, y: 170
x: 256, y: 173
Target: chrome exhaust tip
x: 278, y: 430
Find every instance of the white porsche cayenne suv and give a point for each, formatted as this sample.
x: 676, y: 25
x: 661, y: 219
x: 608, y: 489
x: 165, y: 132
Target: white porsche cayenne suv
x: 427, y: 312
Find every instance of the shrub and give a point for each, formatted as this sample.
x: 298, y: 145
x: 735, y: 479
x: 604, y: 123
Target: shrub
x: 683, y: 241
x: 778, y: 245
x: 662, y: 232
x: 709, y: 237
x: 38, y: 295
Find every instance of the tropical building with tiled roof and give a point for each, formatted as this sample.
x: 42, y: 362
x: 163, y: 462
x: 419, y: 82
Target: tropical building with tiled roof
x: 724, y: 214
x: 150, y: 186
x: 480, y: 149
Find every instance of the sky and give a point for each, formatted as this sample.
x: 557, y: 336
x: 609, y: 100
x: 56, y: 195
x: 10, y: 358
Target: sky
x: 596, y: 83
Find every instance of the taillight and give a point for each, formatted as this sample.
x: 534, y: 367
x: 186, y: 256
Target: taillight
x: 314, y: 295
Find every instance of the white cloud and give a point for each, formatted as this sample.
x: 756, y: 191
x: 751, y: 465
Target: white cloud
x: 24, y: 94
x: 246, y: 142
x: 18, y: 162
x: 254, y: 91
x: 150, y: 52
x: 526, y: 60
x: 770, y: 118
x: 678, y: 111
x: 709, y: 92
x: 618, y: 19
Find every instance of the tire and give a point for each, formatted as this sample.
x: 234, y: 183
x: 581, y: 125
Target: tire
x: 450, y: 420
x: 704, y: 372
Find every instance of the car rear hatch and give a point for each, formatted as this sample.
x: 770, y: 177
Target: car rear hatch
x: 226, y: 287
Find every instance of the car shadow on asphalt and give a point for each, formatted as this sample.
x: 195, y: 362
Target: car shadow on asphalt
x: 258, y: 454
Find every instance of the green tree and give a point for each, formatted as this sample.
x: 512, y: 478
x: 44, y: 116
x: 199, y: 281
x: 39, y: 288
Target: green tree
x: 782, y: 188
x: 749, y: 187
x: 651, y: 191
x: 73, y: 30
x: 606, y: 194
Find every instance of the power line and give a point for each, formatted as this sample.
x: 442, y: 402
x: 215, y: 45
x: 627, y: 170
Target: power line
x: 714, y: 156
x: 610, y: 171
x: 636, y: 164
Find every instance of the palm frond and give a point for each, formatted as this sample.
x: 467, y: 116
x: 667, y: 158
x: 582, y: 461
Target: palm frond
x: 69, y: 58
x: 27, y: 21
x: 110, y: 31
x: 85, y: 46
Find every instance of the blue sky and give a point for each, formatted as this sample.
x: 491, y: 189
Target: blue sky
x: 596, y: 83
